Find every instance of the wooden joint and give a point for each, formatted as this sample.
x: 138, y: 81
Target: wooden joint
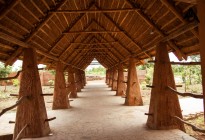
x: 124, y: 81
x: 47, y: 94
x: 10, y: 122
x: 151, y: 61
x: 123, y: 96
x: 149, y: 86
x: 15, y: 95
x: 149, y: 114
x: 51, y: 119
x: 179, y: 85
x: 185, y: 94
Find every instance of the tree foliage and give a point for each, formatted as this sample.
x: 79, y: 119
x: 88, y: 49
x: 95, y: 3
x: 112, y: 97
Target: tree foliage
x: 96, y: 71
x: 4, y: 71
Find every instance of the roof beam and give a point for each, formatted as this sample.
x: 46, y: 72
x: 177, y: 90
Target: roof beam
x: 14, y: 56
x: 8, y: 7
x: 91, y: 32
x: 93, y: 11
x: 114, y: 38
x: 180, y: 54
x: 178, y: 14
x: 188, y: 1
x: 124, y: 32
x: 72, y: 24
x: 92, y: 44
x: 26, y: 45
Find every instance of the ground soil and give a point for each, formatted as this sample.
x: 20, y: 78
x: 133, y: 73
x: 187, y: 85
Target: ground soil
x: 6, y: 100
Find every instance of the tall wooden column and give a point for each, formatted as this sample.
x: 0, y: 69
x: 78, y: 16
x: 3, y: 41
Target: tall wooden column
x: 133, y: 93
x: 84, y: 78
x: 120, y: 81
x: 114, y: 80
x: 108, y: 76
x: 32, y: 110
x: 60, y: 97
x: 72, y: 84
x: 78, y: 80
x: 201, y: 16
x: 111, y: 75
x: 163, y: 104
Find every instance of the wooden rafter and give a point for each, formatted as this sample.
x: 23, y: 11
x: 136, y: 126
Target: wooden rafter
x: 178, y: 14
x: 25, y: 45
x: 14, y: 56
x: 7, y: 8
x: 91, y: 32
x: 188, y: 1
x: 124, y: 32
x: 92, y: 44
x: 180, y: 55
x: 93, y: 11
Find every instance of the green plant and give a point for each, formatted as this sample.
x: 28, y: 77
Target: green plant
x: 15, y: 82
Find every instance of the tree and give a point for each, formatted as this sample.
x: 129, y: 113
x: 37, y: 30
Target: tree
x: 4, y: 72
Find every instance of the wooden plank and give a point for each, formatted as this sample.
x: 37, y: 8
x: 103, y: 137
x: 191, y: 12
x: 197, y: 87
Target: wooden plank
x: 180, y: 55
x: 188, y: 1
x: 201, y: 15
x: 93, y: 11
x: 33, y: 33
x: 91, y: 32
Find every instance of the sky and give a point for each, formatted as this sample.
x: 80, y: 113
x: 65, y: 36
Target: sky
x: 18, y: 64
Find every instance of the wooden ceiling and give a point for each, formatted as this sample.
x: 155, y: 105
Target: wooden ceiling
x: 77, y: 31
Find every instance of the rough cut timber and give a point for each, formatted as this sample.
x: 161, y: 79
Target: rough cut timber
x: 111, y: 77
x: 201, y: 15
x: 114, y: 79
x: 133, y: 93
x: 31, y: 111
x: 121, y: 86
x: 60, y: 96
x: 120, y: 29
x: 78, y: 79
x: 163, y: 104
x: 71, y: 83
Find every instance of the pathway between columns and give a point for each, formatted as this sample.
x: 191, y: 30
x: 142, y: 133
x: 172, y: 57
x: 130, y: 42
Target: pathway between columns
x: 99, y: 115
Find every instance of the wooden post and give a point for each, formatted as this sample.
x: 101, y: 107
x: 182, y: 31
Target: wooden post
x: 163, y: 104
x: 108, y: 77
x: 114, y: 80
x: 72, y: 84
x: 60, y: 96
x: 120, y: 84
x: 201, y: 16
x: 78, y: 80
x: 133, y: 92
x: 84, y: 78
x: 32, y: 110
x: 111, y: 75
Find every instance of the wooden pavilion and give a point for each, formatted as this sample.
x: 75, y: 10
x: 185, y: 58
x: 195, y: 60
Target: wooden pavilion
x: 67, y: 35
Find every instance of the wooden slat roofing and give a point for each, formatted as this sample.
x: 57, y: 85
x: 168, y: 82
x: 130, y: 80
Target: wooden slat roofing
x: 77, y: 31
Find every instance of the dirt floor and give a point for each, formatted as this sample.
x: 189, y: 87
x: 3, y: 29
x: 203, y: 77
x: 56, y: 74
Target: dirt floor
x: 6, y: 100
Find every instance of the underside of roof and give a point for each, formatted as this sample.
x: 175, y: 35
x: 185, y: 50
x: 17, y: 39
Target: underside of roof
x: 77, y: 31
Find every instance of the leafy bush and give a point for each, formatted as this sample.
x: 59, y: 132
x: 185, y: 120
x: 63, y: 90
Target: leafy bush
x: 15, y: 82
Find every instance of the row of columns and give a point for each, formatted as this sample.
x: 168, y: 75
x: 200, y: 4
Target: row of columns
x: 32, y: 111
x: 115, y: 80
x: 163, y: 104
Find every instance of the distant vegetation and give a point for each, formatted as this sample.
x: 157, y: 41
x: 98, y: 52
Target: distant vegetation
x: 99, y: 71
x: 187, y: 75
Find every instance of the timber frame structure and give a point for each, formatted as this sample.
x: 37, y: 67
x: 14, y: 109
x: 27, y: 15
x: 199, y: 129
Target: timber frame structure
x: 67, y: 35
